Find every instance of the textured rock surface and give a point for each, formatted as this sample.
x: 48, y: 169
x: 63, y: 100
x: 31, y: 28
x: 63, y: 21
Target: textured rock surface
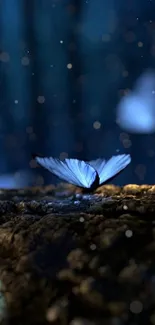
x: 69, y: 258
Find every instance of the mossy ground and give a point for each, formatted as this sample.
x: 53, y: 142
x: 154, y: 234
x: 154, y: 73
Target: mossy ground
x: 69, y: 258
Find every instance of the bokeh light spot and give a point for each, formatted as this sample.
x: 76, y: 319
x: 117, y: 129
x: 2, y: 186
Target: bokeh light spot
x: 128, y: 233
x: 25, y: 61
x: 140, y: 170
x: 123, y: 136
x: 136, y: 307
x: 93, y: 247
x: 33, y: 163
x: 41, y: 99
x: 4, y: 57
x: 63, y: 155
x: 127, y: 143
x: 151, y: 153
x: 125, y: 73
x: 140, y: 44
x: 69, y: 66
x: 106, y: 38
x: 32, y: 137
x: 96, y: 125
x: 29, y: 129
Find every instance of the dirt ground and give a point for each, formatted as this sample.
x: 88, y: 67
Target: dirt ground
x: 77, y: 259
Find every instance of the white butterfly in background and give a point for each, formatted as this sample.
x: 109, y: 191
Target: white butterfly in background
x: 88, y: 175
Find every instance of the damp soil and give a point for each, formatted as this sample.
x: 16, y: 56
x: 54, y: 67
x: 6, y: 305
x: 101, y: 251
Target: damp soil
x: 77, y: 259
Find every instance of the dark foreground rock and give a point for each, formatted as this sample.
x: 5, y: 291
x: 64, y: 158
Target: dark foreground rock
x: 69, y: 258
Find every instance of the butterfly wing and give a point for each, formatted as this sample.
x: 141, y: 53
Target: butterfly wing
x: 73, y: 171
x: 108, y: 169
x: 98, y: 164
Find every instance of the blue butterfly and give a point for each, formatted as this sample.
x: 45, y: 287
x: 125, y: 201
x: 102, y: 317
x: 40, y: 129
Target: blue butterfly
x: 88, y: 175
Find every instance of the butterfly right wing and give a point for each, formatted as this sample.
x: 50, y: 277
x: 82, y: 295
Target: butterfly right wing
x: 73, y: 171
x: 113, y: 166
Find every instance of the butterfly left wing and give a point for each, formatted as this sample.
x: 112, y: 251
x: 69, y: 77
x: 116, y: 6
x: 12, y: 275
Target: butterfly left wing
x: 108, y: 169
x: 73, y: 171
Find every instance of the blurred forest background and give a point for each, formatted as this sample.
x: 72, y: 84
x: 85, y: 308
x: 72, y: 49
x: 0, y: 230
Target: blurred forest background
x: 64, y: 67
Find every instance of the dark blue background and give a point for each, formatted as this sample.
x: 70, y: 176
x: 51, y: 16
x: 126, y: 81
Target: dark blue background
x: 63, y: 66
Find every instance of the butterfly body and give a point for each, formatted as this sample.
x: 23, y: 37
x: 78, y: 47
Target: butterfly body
x: 87, y: 175
x: 93, y: 186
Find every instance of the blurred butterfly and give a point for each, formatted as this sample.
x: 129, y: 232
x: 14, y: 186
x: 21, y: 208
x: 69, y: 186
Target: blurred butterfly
x: 88, y: 175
